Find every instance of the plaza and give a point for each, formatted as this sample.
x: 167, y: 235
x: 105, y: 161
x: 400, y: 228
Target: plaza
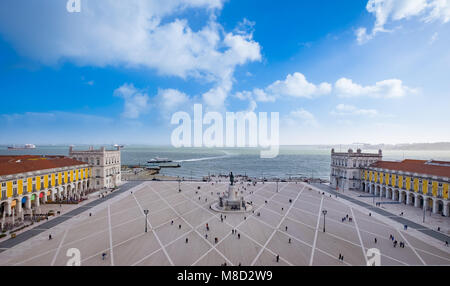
x: 287, y: 220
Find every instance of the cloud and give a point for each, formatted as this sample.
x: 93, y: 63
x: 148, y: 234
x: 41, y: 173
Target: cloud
x: 390, y: 88
x: 301, y: 117
x: 171, y: 99
x: 296, y: 85
x: 387, y: 11
x: 136, y: 101
x: 350, y: 110
x: 133, y: 34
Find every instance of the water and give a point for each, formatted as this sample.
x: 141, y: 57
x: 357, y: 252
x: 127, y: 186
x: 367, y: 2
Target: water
x: 295, y: 161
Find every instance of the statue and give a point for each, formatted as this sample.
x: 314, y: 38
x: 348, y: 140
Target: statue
x: 231, y: 178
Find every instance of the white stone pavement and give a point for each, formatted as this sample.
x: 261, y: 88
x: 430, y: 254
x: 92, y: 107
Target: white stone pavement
x: 117, y: 229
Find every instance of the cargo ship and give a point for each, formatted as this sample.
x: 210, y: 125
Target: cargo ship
x: 22, y: 147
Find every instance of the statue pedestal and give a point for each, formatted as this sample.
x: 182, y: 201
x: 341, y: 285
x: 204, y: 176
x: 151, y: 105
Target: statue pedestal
x: 231, y: 202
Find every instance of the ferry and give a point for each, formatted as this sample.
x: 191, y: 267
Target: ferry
x: 159, y: 160
x: 22, y: 147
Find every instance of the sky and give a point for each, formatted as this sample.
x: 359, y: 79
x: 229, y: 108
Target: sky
x: 338, y: 72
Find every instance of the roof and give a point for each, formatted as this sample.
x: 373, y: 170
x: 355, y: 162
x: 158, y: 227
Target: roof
x: 10, y: 165
x: 433, y: 168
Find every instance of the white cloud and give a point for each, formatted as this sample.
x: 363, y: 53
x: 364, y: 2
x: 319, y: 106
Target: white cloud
x: 136, y: 101
x: 387, y: 11
x: 301, y: 117
x: 390, y: 88
x: 171, y: 99
x: 296, y: 85
x: 132, y: 34
x: 350, y: 110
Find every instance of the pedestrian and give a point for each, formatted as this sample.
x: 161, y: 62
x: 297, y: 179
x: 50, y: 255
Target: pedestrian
x: 179, y: 226
x: 439, y: 228
x: 49, y: 237
x: 103, y: 256
x: 446, y: 243
x: 90, y: 214
x: 239, y: 236
x: 289, y: 240
x: 187, y: 240
x: 206, y: 236
x: 278, y: 258
x: 171, y: 223
x: 286, y: 228
x: 375, y: 240
x: 370, y: 214
x: 340, y: 255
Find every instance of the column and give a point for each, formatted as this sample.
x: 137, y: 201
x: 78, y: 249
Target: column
x: 8, y: 208
x: 393, y: 195
x: 416, y: 202
x: 435, y: 205
x: 53, y: 196
x: 45, y: 196
x: 36, y: 200
x: 19, y: 205
x: 387, y: 194
x: 408, y: 199
x: 28, y: 203
x: 446, y: 209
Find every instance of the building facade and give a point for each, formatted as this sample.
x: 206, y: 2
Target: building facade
x: 105, y: 164
x: 346, y: 168
x: 28, y: 181
x: 423, y: 184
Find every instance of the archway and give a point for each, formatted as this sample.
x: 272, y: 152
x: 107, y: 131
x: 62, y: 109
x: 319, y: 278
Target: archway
x: 363, y: 185
x: 378, y: 190
x: 396, y: 195
x: 420, y: 201
x: 403, y: 195
x: 439, y: 207
x: 411, y: 199
x: 4, y: 208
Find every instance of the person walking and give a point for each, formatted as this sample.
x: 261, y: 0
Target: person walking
x: 289, y: 240
x: 375, y: 240
x: 239, y: 236
x: 278, y: 258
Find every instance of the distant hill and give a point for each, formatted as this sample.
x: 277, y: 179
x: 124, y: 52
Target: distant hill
x: 439, y: 146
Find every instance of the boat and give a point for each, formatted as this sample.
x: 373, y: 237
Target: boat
x: 22, y: 147
x: 159, y: 160
x: 117, y: 145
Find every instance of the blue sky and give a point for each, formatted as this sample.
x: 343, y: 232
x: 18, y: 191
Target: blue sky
x: 337, y: 71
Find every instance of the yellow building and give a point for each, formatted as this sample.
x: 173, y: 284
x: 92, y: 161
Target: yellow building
x: 420, y: 183
x: 31, y: 180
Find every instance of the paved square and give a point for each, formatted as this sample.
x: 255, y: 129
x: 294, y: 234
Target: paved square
x: 293, y: 230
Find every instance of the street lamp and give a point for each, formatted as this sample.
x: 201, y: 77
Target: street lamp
x: 324, y: 214
x: 179, y: 186
x: 146, y: 222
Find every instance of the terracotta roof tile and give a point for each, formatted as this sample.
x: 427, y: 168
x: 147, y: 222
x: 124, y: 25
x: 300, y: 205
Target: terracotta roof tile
x: 10, y: 165
x: 433, y: 168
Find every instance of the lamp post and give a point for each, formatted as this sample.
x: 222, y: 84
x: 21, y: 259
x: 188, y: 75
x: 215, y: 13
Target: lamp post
x: 179, y: 186
x: 324, y: 214
x: 146, y: 214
